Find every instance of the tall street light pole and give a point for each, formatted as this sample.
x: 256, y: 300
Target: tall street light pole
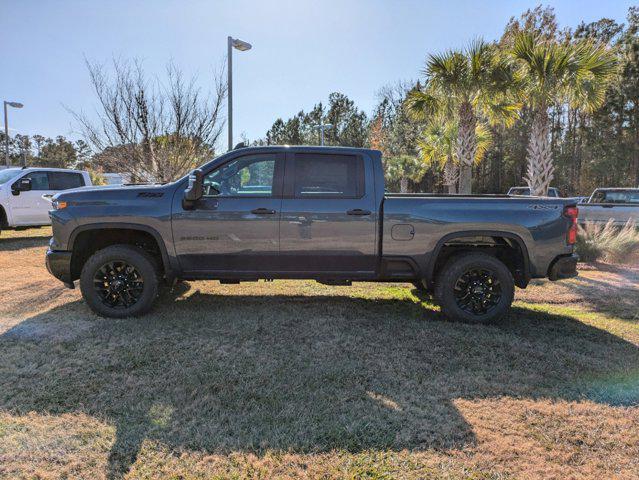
x: 242, y: 46
x: 6, y: 128
x: 321, y: 127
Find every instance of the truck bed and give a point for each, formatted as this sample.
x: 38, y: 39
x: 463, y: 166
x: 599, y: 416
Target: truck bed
x: 416, y: 225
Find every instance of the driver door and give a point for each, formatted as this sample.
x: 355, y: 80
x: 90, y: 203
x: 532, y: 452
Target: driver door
x: 234, y: 228
x: 28, y: 207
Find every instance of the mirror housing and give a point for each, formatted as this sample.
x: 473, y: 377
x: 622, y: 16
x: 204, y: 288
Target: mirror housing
x: 194, y: 190
x: 22, y: 185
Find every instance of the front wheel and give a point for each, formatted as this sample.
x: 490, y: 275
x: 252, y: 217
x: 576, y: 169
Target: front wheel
x: 474, y: 287
x: 120, y: 281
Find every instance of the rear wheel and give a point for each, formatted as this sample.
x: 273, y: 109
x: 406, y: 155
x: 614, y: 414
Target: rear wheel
x: 474, y: 287
x: 120, y: 281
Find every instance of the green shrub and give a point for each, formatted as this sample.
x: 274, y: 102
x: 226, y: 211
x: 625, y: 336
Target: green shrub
x: 597, y: 241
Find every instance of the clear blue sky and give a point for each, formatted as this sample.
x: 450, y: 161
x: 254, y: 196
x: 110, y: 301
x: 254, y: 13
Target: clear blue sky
x: 302, y: 50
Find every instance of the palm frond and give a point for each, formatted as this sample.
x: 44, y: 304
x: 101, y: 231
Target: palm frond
x: 437, y: 142
x: 436, y: 145
x: 524, y: 47
x: 421, y: 105
x: 553, y: 72
x: 484, y: 141
x: 448, y: 72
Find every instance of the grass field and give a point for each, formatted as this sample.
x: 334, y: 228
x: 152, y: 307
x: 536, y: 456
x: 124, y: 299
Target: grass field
x: 300, y: 380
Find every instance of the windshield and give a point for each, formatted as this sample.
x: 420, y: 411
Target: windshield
x: 6, y: 175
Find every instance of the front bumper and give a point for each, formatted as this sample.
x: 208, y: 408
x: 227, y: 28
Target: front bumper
x: 59, y: 265
x: 563, y: 267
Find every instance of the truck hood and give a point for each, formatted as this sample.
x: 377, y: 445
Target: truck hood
x: 112, y: 192
x: 110, y: 189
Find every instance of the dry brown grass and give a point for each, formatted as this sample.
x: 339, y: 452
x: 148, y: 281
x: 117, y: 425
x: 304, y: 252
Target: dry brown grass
x: 300, y: 380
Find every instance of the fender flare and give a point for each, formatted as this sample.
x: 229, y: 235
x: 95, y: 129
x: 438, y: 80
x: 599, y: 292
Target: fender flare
x: 430, y: 267
x: 168, y: 268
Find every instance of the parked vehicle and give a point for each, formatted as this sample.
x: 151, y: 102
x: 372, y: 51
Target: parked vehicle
x: 618, y: 204
x: 552, y: 191
x: 22, y: 192
x: 114, y: 178
x: 306, y: 213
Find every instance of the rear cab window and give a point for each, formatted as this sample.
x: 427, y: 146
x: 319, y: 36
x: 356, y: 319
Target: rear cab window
x: 65, y: 180
x: 327, y: 176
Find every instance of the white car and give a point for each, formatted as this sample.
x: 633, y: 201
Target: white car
x: 23, y: 191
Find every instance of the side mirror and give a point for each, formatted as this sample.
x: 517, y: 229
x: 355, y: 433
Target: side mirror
x: 22, y: 185
x: 193, y: 191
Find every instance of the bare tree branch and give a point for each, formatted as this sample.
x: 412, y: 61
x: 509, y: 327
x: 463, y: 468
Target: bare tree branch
x: 152, y: 131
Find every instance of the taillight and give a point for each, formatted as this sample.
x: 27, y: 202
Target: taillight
x: 571, y: 235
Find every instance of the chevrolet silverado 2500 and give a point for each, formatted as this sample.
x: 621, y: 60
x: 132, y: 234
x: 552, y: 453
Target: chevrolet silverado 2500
x: 306, y: 213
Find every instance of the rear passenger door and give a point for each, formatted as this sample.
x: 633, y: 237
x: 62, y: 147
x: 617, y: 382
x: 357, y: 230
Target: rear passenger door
x: 329, y: 216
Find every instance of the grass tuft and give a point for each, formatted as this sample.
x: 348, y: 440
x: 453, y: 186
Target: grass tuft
x: 608, y: 242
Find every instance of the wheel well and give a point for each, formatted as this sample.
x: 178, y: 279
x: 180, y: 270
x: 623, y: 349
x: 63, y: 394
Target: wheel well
x: 508, y: 250
x: 90, y: 241
x: 3, y: 218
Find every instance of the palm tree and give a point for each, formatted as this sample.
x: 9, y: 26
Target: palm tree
x: 437, y: 147
x: 550, y: 73
x: 404, y: 167
x: 466, y: 84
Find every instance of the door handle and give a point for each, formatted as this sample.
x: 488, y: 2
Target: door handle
x: 358, y: 211
x: 263, y: 211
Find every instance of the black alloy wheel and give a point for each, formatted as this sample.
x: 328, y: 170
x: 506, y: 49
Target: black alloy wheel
x: 118, y: 284
x: 474, y: 287
x: 120, y: 281
x: 477, y: 291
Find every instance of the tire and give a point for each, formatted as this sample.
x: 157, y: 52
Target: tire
x: 474, y: 288
x: 130, y: 281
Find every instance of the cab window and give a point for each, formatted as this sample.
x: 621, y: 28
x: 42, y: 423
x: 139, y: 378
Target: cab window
x: 39, y: 180
x: 249, y: 176
x: 328, y: 176
x: 65, y: 180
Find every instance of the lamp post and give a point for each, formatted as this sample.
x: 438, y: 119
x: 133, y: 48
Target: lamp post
x: 6, y: 128
x: 242, y: 47
x: 321, y: 127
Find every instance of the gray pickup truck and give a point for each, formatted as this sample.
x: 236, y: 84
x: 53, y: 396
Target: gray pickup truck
x: 619, y: 205
x: 306, y: 213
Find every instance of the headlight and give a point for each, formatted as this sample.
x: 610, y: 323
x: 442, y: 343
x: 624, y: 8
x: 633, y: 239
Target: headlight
x: 58, y: 205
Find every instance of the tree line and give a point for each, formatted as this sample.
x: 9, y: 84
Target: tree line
x: 58, y: 152
x: 542, y: 105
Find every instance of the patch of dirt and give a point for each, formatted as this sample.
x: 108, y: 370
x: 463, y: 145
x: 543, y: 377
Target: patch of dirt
x: 599, y: 288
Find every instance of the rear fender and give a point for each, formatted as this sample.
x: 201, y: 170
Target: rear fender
x: 432, y: 261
